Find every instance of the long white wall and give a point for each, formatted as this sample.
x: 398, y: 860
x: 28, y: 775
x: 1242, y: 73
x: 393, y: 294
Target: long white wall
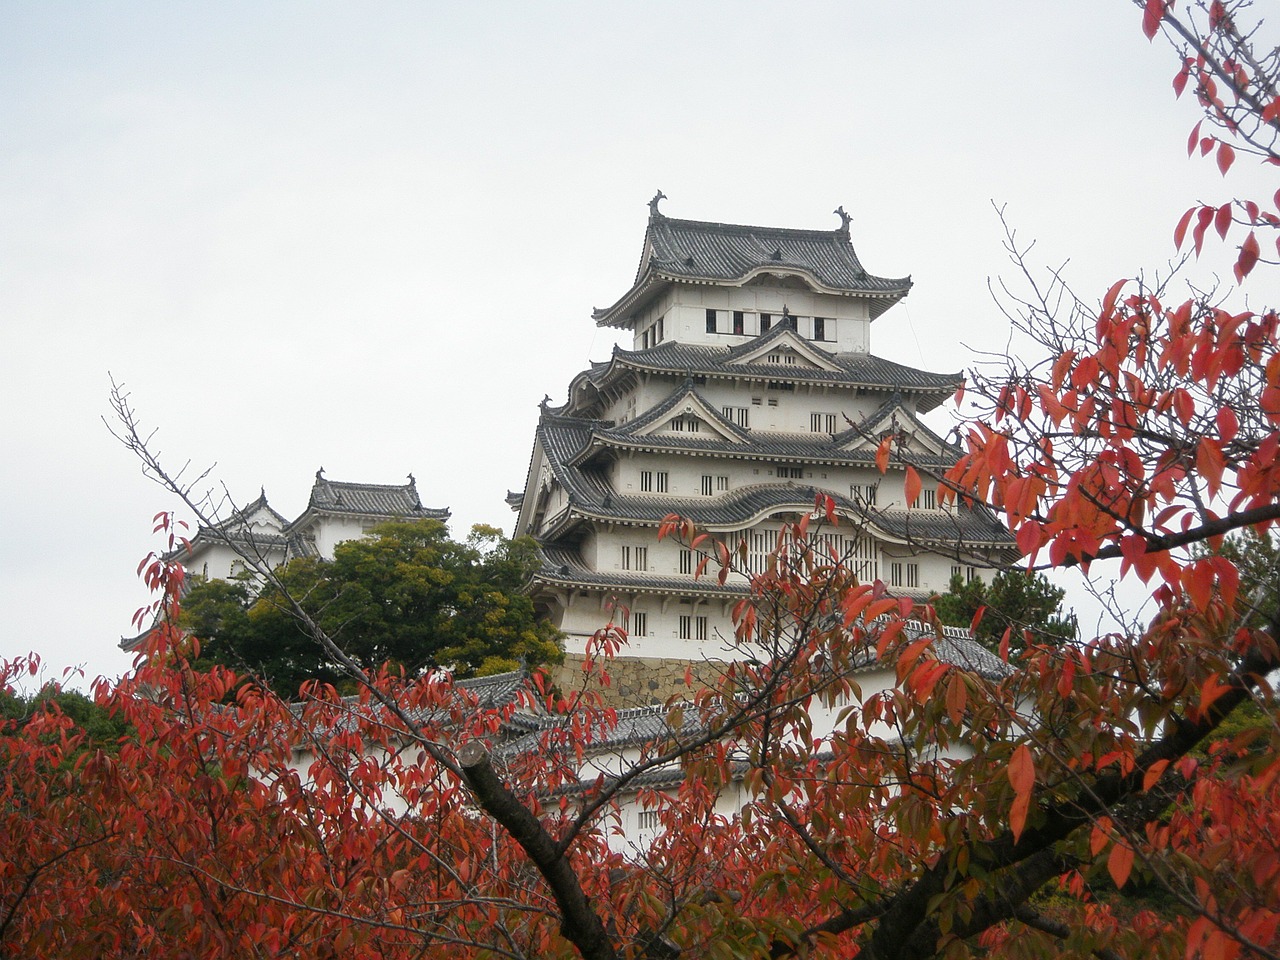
x: 682, y: 313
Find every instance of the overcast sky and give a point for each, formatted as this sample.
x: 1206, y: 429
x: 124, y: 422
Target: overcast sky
x: 370, y: 236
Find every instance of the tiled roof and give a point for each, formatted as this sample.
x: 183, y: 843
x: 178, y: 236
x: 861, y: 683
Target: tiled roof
x: 235, y: 530
x: 371, y: 499
x: 684, y: 393
x: 821, y: 448
x: 853, y: 370
x: 647, y: 725
x: 591, y: 497
x: 634, y: 727
x: 563, y: 565
x: 491, y: 693
x: 728, y: 253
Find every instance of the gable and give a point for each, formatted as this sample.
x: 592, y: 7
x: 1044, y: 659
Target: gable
x: 916, y: 438
x: 690, y: 417
x: 786, y: 349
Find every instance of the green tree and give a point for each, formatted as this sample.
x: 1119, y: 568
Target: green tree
x: 407, y: 595
x: 101, y: 727
x: 1016, y: 601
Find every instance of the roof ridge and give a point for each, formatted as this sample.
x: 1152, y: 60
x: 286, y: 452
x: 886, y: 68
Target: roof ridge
x: 800, y: 233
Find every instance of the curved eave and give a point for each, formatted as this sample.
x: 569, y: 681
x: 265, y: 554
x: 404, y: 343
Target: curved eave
x: 889, y: 527
x: 443, y: 514
x: 664, y: 587
x: 758, y: 372
x: 658, y: 445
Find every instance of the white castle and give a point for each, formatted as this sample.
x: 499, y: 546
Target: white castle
x: 749, y: 387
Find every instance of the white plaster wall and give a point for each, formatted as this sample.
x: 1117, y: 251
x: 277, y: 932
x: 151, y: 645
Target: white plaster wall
x: 218, y: 561
x: 331, y: 531
x: 684, y: 311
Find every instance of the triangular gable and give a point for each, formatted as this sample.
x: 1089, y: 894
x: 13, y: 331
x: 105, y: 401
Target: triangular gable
x: 782, y: 344
x: 917, y: 438
x: 686, y: 414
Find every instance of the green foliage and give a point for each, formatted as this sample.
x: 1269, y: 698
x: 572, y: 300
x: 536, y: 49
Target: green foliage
x: 408, y: 595
x: 1014, y: 599
x: 103, y: 728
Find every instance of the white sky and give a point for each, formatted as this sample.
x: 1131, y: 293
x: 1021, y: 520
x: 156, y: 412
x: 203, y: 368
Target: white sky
x: 369, y: 236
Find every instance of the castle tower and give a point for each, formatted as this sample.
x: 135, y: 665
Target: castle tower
x: 750, y: 386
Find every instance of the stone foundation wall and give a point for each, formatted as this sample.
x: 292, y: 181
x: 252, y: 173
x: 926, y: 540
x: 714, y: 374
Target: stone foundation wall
x: 639, y: 681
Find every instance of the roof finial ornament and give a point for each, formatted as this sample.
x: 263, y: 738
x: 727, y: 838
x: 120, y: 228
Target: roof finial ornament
x: 320, y: 474
x: 411, y: 480
x: 546, y: 402
x: 845, y: 220
x: 653, y: 204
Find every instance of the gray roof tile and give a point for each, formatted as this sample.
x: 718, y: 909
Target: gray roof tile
x: 854, y: 370
x: 706, y: 252
x: 371, y: 499
x: 591, y: 497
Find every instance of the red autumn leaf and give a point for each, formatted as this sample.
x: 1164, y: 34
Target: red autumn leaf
x: 1209, y: 463
x: 1193, y: 139
x: 1120, y: 863
x: 1029, y: 537
x: 882, y: 453
x: 1152, y: 14
x: 1180, y: 231
x: 1022, y: 775
x: 1210, y: 691
x: 957, y: 695
x: 1222, y: 220
x: 1249, y: 253
x: 1226, y: 157
x: 977, y: 619
x: 1153, y: 774
x: 1180, y: 79
x: 912, y: 486
x: 1203, y: 219
x: 1109, y: 301
x: 1228, y: 424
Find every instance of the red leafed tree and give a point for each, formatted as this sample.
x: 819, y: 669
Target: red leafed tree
x: 959, y: 809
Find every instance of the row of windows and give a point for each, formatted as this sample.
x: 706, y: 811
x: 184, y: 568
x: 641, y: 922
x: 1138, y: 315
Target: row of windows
x: 866, y: 495
x: 896, y: 578
x: 659, y: 481
x: 741, y: 323
x: 693, y: 628
x: 721, y: 484
x: 818, y: 422
x: 822, y: 423
x: 761, y: 542
x: 647, y: 478
x: 635, y: 558
x: 653, y: 336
